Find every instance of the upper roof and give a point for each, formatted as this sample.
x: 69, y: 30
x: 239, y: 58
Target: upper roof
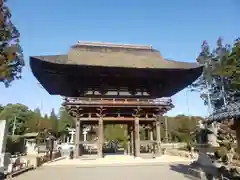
x: 87, y: 61
x: 115, y: 55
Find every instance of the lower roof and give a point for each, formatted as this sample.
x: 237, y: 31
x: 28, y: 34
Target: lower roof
x: 57, y: 79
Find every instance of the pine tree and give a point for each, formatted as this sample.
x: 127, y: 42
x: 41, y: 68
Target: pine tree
x: 221, y: 73
x: 11, y: 55
x: 53, y: 121
x: 37, y: 111
x: 65, y: 121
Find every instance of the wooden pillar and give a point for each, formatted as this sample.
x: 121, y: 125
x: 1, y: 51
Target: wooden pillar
x: 158, y: 134
x: 100, y: 137
x: 137, y: 137
x: 129, y: 139
x: 132, y: 142
x: 146, y: 133
x: 77, y: 138
x: 81, y: 139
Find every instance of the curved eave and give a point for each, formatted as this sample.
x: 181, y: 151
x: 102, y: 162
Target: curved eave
x: 148, y: 62
x: 52, y: 76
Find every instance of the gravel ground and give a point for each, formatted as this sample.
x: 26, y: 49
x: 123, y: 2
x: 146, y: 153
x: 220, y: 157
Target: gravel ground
x: 140, y: 172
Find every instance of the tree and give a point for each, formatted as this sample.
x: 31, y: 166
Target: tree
x: 46, y: 116
x: 1, y: 108
x: 34, y: 125
x: 37, y: 112
x: 11, y: 55
x: 221, y: 73
x: 65, y: 121
x: 180, y: 127
x: 115, y: 132
x: 53, y: 121
x: 232, y: 68
x: 17, y: 116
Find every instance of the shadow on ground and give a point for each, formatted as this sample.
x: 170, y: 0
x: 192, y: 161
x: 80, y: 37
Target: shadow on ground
x: 180, y: 168
x: 183, y: 169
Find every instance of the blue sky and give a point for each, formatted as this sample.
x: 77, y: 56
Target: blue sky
x: 176, y: 28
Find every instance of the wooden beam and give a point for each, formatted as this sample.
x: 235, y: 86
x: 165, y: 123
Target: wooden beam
x: 116, y: 119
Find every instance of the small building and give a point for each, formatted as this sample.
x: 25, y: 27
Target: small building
x: 31, y: 142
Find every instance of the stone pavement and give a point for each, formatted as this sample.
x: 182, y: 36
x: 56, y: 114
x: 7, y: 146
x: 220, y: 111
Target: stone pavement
x: 153, y: 172
x: 118, y: 161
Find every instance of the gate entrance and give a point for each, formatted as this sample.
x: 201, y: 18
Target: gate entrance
x: 137, y: 121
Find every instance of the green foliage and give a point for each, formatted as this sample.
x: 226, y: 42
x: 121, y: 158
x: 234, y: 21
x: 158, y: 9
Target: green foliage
x: 17, y: 115
x: 1, y: 108
x: 180, y: 128
x: 65, y: 121
x: 15, y: 144
x: 11, y: 56
x: 53, y: 121
x: 221, y: 73
x: 27, y: 121
x: 221, y: 152
x: 115, y: 132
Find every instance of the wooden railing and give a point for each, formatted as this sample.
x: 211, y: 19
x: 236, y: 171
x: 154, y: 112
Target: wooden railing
x: 162, y: 101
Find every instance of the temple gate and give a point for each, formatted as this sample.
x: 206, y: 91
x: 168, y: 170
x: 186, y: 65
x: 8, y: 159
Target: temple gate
x: 107, y: 83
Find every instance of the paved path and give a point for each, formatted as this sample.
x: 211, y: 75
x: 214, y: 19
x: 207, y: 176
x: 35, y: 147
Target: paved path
x: 119, y: 161
x: 140, y: 172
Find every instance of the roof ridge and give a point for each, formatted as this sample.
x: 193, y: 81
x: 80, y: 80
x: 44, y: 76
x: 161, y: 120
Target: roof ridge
x: 113, y: 45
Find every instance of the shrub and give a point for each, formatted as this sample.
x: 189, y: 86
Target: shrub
x: 221, y: 152
x: 15, y: 144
